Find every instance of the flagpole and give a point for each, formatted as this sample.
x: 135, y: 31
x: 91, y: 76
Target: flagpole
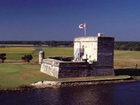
x: 85, y: 29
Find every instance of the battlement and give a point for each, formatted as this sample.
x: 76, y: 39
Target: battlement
x: 63, y: 69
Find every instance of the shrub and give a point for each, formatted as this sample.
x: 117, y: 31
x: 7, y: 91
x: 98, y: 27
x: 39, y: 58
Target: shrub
x: 2, y: 57
x: 27, y: 58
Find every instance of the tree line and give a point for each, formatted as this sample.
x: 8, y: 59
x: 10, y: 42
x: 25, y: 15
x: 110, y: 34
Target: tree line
x: 119, y: 45
x: 131, y: 46
x: 39, y: 43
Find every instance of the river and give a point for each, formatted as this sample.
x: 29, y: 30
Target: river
x: 108, y: 94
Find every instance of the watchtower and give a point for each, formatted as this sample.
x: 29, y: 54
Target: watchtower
x: 95, y: 49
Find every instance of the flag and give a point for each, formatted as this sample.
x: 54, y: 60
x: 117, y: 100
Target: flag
x: 82, y: 26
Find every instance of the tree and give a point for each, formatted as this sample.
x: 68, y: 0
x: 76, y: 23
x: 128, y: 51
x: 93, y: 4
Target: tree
x: 27, y: 58
x: 2, y: 57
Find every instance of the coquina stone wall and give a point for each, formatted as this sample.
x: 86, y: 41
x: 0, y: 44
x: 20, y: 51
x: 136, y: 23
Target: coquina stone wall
x: 63, y: 69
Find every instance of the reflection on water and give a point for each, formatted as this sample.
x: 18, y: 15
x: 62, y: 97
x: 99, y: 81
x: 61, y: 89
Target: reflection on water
x: 109, y: 94
x: 85, y: 95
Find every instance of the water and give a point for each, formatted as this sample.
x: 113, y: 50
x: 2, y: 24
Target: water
x: 109, y: 94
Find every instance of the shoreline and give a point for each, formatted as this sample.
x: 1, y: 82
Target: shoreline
x: 76, y: 82
x: 70, y: 83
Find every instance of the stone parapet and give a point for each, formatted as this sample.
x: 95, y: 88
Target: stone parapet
x: 64, y: 69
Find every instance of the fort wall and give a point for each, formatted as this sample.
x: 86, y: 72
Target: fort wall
x: 93, y: 56
x: 63, y: 69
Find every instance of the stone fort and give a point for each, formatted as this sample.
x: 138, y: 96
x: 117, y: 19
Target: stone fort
x: 93, y: 56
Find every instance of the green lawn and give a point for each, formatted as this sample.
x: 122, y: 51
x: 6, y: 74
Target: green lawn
x: 14, y: 54
x: 124, y: 59
x: 58, y: 51
x: 127, y: 55
x: 15, y: 75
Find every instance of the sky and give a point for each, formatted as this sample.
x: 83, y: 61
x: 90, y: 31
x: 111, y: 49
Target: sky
x: 59, y: 19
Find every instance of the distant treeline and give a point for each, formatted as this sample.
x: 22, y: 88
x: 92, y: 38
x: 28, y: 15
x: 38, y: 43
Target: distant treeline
x: 132, y: 46
x: 119, y: 45
x: 39, y: 43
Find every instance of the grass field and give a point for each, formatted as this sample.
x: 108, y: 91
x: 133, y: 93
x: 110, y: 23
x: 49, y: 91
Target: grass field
x: 14, y: 54
x: 14, y: 75
x: 122, y: 59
